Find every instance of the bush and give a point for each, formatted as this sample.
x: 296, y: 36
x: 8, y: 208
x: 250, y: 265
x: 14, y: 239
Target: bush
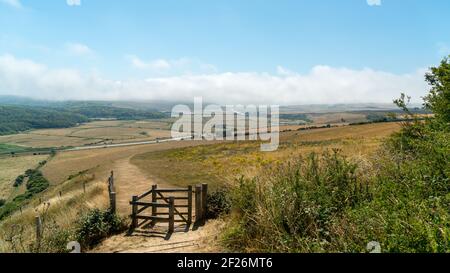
x: 97, y: 225
x: 36, y: 182
x: 7, y: 209
x: 219, y: 204
x: 19, y: 180
x: 2, y: 202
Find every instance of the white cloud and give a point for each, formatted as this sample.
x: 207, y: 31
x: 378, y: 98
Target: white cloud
x: 79, y: 49
x: 182, y: 65
x: 74, y: 2
x: 13, y: 3
x: 374, y: 2
x: 138, y: 63
x: 323, y: 84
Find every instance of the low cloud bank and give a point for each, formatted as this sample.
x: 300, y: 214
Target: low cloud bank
x: 321, y: 85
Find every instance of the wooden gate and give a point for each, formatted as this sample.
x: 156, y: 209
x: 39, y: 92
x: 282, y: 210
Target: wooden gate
x: 168, y: 206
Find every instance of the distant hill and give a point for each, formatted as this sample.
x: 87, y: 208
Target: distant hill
x: 14, y: 119
x: 22, y: 114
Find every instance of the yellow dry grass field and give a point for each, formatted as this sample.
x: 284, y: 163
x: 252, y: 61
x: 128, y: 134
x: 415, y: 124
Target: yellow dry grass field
x: 11, y: 167
x: 333, y: 118
x: 92, y: 133
x: 222, y: 163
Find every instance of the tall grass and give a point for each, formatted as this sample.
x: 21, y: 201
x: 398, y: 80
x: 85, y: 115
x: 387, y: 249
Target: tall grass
x: 60, y: 217
x: 291, y: 207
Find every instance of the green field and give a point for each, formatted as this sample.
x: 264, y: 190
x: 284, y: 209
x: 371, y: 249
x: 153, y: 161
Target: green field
x: 10, y: 148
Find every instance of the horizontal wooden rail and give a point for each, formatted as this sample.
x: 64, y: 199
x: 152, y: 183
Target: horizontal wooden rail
x: 175, y: 198
x: 153, y: 204
x: 166, y: 213
x: 171, y: 190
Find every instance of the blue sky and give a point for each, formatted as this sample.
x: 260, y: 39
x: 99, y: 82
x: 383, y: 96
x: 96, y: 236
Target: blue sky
x: 231, y: 49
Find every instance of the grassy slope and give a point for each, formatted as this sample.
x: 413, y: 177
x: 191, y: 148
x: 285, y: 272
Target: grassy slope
x: 222, y: 163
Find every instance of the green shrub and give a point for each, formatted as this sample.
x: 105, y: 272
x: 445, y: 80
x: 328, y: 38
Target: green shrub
x: 7, y: 209
x: 97, y: 225
x: 36, y: 182
x: 19, y: 180
x: 2, y: 202
x: 219, y: 204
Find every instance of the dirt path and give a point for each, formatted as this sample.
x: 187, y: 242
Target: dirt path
x: 131, y: 181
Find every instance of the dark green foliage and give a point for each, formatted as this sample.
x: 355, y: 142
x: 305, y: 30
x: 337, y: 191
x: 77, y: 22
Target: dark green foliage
x: 303, y: 117
x: 14, y: 119
x: 379, y: 117
x: 96, y: 225
x: 2, y: 202
x: 219, y: 204
x: 94, y: 112
x: 36, y: 183
x: 42, y: 163
x: 7, y: 209
x: 19, y: 180
x: 438, y: 100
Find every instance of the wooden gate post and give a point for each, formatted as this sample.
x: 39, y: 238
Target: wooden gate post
x: 171, y: 214
x: 198, y: 203
x: 189, y: 222
x: 204, y: 201
x: 154, y: 201
x: 134, y: 220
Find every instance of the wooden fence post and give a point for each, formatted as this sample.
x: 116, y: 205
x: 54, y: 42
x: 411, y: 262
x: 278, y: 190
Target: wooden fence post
x: 134, y: 220
x: 112, y: 202
x: 189, y: 206
x: 38, y: 233
x: 171, y: 214
x: 111, y: 182
x: 198, y: 203
x: 204, y: 201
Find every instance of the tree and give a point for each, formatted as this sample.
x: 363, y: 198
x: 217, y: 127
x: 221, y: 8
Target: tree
x: 438, y: 100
